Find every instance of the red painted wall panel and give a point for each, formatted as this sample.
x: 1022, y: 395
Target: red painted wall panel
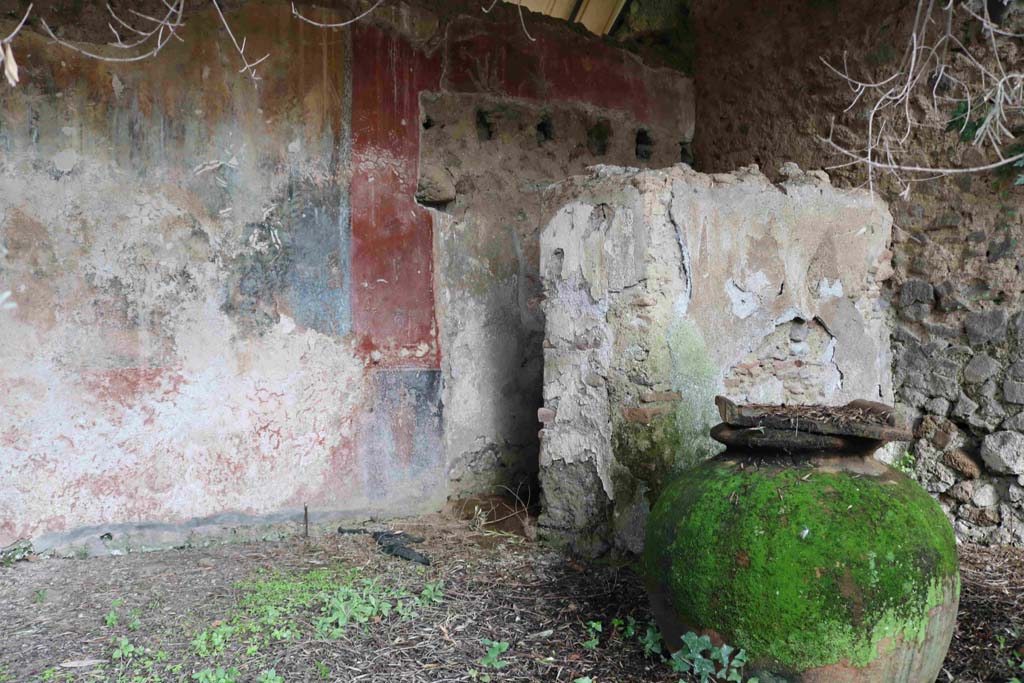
x: 392, y: 239
x: 559, y: 66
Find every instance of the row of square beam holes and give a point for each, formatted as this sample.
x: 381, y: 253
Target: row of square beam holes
x: 597, y: 136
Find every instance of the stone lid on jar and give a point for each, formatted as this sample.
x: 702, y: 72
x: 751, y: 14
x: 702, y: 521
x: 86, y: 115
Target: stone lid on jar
x: 859, y: 426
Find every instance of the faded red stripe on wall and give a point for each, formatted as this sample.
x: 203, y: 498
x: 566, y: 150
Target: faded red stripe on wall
x: 392, y: 236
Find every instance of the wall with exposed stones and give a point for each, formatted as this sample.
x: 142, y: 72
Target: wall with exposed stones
x: 230, y: 303
x: 956, y: 296
x: 665, y: 288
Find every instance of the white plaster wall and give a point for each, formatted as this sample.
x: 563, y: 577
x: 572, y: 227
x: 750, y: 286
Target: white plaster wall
x: 665, y: 288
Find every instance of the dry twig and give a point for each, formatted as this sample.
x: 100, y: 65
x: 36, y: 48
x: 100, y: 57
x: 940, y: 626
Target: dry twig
x: 937, y: 70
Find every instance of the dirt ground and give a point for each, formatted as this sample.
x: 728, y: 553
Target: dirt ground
x: 491, y: 606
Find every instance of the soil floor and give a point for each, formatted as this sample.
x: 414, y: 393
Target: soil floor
x: 490, y: 607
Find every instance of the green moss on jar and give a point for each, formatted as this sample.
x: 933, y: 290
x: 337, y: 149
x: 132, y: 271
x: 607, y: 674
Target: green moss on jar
x: 802, y: 567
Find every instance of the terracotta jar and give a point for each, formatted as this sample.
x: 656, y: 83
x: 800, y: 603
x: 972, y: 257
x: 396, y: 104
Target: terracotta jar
x: 824, y: 565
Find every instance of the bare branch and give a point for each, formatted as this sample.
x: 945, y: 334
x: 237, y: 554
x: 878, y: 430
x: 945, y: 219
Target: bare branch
x: 298, y: 15
x: 247, y: 66
x: 161, y: 34
x: 522, y: 22
x: 989, y: 99
x: 18, y: 28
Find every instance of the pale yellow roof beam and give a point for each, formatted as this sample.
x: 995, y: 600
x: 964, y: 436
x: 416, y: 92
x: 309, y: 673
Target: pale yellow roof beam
x: 597, y: 15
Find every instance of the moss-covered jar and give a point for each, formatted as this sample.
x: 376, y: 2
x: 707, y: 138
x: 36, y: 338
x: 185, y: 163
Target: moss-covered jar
x: 822, y: 566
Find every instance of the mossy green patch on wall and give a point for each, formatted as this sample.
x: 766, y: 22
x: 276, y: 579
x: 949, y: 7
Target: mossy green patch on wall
x: 695, y: 375
x: 801, y: 567
x: 649, y: 453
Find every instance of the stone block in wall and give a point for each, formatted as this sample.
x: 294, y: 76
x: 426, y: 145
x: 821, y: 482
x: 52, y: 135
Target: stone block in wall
x: 1004, y: 452
x: 685, y: 286
x: 986, y: 326
x: 980, y: 368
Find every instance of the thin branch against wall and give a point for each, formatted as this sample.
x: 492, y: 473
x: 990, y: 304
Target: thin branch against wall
x: 151, y: 39
x: 522, y: 20
x: 7, y: 61
x: 301, y: 17
x: 247, y: 66
x: 149, y: 35
x: 940, y: 82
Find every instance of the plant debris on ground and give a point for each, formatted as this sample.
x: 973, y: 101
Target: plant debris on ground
x: 490, y: 607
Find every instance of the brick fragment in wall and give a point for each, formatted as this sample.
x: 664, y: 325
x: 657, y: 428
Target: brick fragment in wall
x: 979, y: 516
x: 939, y: 431
x: 963, y: 491
x: 960, y: 461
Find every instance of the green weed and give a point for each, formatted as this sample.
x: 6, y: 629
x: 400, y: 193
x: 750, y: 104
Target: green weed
x: 218, y: 675
x: 651, y: 641
x: 594, y: 629
x: 718, y: 664
x: 123, y: 650
x: 495, y: 648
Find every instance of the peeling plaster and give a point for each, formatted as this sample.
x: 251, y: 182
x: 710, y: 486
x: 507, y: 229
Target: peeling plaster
x: 618, y: 255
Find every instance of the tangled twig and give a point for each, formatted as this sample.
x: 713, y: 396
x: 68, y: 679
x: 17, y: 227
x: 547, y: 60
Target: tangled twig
x: 937, y: 69
x: 298, y: 15
x: 159, y: 33
x: 247, y: 66
x: 149, y: 35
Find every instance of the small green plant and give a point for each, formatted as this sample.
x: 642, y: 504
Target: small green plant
x: 495, y: 649
x: 718, y: 664
x: 212, y: 641
x: 133, y: 620
x: 270, y: 676
x: 594, y: 629
x: 1016, y: 665
x: 218, y: 675
x: 432, y: 594
x: 123, y: 650
x: 322, y: 670
x: 905, y: 463
x: 359, y: 602
x: 39, y: 597
x: 651, y: 641
x: 113, y: 617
